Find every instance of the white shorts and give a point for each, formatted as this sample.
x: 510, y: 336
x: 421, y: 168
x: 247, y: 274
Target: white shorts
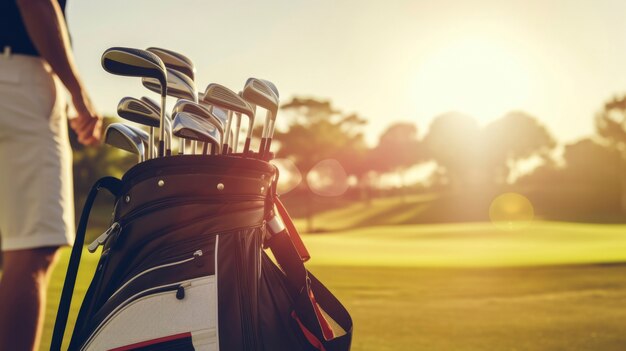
x: 36, y: 191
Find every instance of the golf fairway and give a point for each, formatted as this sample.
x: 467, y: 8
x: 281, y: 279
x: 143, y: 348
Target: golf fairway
x: 471, y: 286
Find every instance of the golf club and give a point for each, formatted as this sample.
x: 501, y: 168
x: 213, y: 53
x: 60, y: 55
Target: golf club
x: 168, y: 123
x: 138, y: 111
x: 178, y: 85
x: 201, y: 112
x: 120, y: 136
x: 145, y: 137
x: 221, y: 96
x: 139, y: 63
x: 188, y: 126
x: 175, y: 61
x: 222, y: 114
x: 258, y: 92
x: 198, y: 110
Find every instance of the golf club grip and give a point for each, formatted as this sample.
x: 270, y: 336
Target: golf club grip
x: 266, y: 151
x: 161, y: 148
x: 246, y: 146
x: 262, y: 147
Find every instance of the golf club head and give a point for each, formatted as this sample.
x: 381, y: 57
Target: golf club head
x: 138, y: 111
x: 145, y: 138
x: 178, y: 85
x: 188, y: 126
x: 175, y: 61
x: 154, y: 105
x: 224, y: 116
x: 269, y: 84
x: 168, y: 122
x: 135, y: 63
x: 218, y: 112
x: 198, y: 110
x: 221, y: 96
x: 258, y: 92
x: 120, y: 136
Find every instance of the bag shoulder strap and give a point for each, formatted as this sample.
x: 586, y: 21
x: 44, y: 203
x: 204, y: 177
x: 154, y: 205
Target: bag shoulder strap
x: 313, y: 302
x: 113, y: 185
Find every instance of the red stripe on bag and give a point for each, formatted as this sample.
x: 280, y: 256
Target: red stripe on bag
x: 292, y: 231
x: 313, y: 340
x: 152, y: 342
x: 324, y: 325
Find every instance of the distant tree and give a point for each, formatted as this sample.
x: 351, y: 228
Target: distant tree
x: 611, y: 126
x: 585, y: 187
x: 469, y: 155
x: 398, y: 149
x: 611, y: 122
x: 453, y: 141
x: 512, y: 138
x: 318, y: 131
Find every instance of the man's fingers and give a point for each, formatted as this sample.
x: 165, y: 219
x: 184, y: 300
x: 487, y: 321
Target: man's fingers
x: 91, y: 132
x: 79, y: 122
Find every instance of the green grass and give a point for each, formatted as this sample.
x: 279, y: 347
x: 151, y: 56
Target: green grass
x: 465, y: 286
x: 381, y: 211
x: 527, y: 308
x: 470, y: 245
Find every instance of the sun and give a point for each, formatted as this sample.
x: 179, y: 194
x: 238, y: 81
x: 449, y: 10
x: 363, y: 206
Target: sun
x: 482, y: 78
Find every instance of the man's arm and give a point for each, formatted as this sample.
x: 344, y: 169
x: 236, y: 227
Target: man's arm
x: 46, y: 27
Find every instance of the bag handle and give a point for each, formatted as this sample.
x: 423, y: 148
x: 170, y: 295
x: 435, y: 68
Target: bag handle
x: 113, y: 185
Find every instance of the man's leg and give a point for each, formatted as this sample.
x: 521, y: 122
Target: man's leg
x: 23, y: 296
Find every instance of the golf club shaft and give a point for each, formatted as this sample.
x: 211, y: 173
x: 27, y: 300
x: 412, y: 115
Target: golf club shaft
x: 237, y: 127
x: 162, y: 125
x: 227, y: 133
x: 151, y: 148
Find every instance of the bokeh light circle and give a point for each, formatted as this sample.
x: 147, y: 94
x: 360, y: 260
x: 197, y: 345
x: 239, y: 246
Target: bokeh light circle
x: 510, y: 211
x: 290, y: 176
x: 328, y: 178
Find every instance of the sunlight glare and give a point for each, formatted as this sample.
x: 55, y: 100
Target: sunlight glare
x: 473, y: 76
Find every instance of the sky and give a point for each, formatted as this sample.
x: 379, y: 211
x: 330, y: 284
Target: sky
x: 384, y: 60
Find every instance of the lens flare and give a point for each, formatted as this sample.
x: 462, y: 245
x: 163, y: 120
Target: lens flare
x: 290, y: 176
x: 328, y: 178
x: 511, y: 211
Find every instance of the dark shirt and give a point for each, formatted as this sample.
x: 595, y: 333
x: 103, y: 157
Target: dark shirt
x: 13, y: 31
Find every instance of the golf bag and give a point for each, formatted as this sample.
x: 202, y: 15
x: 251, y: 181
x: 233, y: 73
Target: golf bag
x: 183, y: 265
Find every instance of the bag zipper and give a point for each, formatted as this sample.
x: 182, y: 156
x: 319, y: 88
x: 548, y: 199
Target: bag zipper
x: 189, y: 200
x: 159, y: 290
x: 196, y: 255
x: 248, y: 339
x: 116, y: 227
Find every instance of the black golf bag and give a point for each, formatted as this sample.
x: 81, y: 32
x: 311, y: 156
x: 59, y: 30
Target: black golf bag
x: 183, y: 265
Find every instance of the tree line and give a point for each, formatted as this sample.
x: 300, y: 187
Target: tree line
x: 579, y: 180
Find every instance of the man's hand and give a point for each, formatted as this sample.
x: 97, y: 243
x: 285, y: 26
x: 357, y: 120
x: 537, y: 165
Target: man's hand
x: 88, y: 123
